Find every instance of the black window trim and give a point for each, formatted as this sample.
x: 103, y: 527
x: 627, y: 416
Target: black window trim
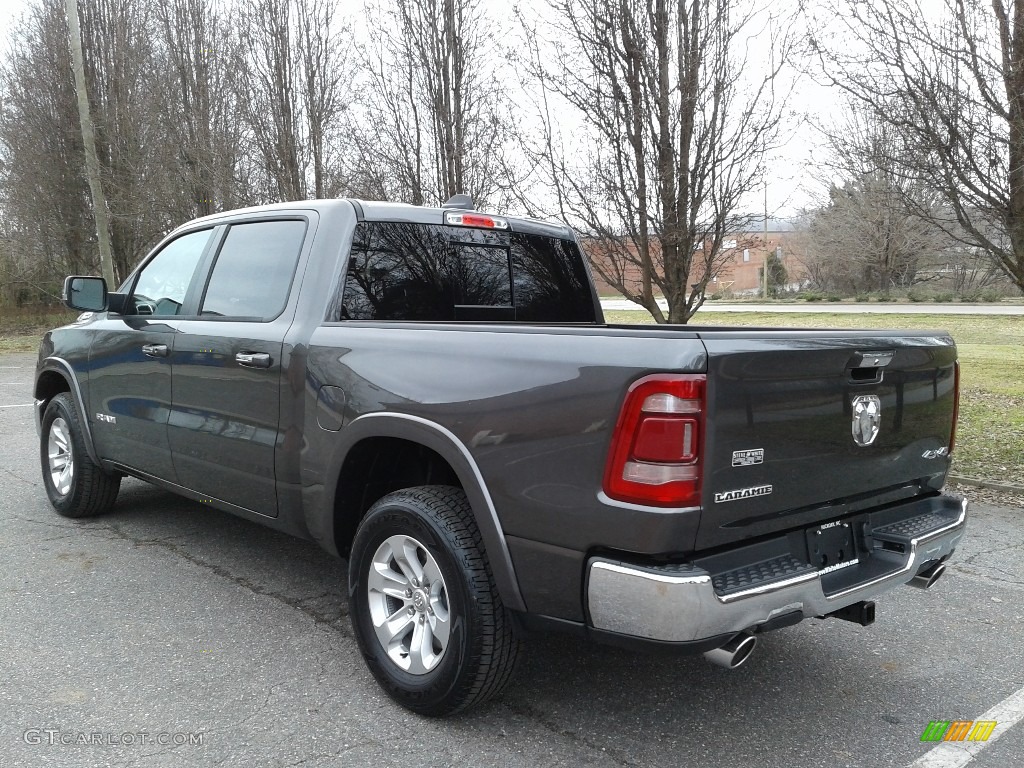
x: 132, y: 281
x: 336, y: 305
x: 209, y: 263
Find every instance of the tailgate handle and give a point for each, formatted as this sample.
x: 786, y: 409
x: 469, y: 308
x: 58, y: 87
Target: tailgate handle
x: 253, y: 359
x: 872, y: 359
x: 866, y: 367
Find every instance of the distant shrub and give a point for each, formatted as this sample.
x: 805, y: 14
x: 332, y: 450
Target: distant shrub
x: 943, y: 297
x: 915, y: 296
x: 811, y: 296
x: 833, y: 297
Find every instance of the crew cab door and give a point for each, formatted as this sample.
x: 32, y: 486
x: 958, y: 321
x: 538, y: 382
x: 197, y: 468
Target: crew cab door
x: 129, y: 371
x: 227, y: 366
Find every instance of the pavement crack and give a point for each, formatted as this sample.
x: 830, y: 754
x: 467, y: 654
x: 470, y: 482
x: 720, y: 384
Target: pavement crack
x: 540, y: 718
x: 19, y: 478
x: 335, y: 620
x: 333, y: 755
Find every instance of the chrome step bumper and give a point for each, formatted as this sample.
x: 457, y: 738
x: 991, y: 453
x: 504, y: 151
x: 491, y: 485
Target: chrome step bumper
x: 680, y: 603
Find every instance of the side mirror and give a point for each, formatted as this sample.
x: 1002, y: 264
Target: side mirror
x: 88, y: 294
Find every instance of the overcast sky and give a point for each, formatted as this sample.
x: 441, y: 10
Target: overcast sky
x: 790, y: 186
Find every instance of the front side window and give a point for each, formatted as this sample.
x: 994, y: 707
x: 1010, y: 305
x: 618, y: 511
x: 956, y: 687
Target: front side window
x: 164, y: 281
x: 421, y: 272
x: 253, y: 272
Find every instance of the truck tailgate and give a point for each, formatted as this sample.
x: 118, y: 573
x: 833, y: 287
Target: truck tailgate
x: 804, y: 426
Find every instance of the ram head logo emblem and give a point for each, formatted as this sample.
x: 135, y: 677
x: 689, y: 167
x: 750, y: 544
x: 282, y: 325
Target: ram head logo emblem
x: 867, y: 419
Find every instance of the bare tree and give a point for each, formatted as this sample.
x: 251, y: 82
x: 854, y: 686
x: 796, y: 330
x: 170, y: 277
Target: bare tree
x: 436, y: 122
x: 327, y: 70
x: 44, y: 195
x: 678, y: 118
x: 291, y: 83
x: 131, y: 126
x: 92, y: 162
x: 195, y: 66
x: 269, y: 85
x: 951, y: 84
x: 877, y: 227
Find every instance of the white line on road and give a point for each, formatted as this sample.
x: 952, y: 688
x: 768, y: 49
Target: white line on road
x: 19, y: 405
x: 955, y: 754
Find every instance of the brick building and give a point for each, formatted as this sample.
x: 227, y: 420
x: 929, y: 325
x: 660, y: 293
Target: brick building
x: 745, y: 255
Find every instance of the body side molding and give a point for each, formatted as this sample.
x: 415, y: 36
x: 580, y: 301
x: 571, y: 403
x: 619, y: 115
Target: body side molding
x: 451, y: 448
x: 62, y: 366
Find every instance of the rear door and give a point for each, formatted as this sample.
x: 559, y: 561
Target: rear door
x: 129, y: 381
x: 227, y: 366
x: 803, y: 426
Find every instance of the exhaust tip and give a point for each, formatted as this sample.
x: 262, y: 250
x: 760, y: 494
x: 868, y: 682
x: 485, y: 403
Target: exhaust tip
x: 733, y: 653
x: 926, y: 577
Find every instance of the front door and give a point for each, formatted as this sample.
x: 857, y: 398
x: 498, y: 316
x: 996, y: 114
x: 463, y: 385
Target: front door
x: 129, y: 372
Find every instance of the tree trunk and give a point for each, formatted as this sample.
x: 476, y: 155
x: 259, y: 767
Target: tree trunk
x: 92, y: 162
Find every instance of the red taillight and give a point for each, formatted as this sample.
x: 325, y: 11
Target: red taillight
x: 475, y: 220
x: 656, y: 447
x: 956, y: 405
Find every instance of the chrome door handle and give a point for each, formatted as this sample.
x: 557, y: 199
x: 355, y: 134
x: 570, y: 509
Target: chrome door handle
x: 155, y: 350
x: 253, y: 359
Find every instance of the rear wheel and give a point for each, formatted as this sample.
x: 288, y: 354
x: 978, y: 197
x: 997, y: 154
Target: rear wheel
x: 425, y: 610
x: 76, y: 486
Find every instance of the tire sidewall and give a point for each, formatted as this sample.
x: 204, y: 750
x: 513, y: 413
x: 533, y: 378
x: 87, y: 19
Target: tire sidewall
x: 58, y: 407
x: 417, y: 692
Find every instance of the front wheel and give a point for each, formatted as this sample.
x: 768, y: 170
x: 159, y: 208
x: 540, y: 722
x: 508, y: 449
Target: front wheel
x: 76, y: 486
x: 425, y: 610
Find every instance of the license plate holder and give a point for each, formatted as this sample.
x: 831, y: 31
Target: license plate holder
x: 831, y: 544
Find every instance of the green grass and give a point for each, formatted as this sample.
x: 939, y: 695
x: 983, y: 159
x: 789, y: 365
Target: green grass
x: 990, y: 436
x: 991, y: 431
x: 21, y: 329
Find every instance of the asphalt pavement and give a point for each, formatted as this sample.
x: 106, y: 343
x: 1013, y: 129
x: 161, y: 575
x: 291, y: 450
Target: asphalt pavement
x: 169, y: 634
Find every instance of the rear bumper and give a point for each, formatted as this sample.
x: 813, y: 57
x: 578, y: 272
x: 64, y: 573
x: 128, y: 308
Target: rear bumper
x: 680, y: 604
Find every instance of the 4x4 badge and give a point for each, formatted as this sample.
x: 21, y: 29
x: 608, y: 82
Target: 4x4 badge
x: 867, y: 419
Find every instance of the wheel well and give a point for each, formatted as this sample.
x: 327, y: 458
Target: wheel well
x: 50, y: 383
x: 374, y: 468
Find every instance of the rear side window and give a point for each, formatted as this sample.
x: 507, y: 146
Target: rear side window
x: 421, y: 272
x: 254, y: 269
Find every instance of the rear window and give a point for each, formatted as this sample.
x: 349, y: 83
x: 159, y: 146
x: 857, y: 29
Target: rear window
x: 423, y: 272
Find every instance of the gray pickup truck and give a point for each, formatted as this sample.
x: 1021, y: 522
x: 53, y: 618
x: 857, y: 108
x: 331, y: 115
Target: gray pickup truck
x: 433, y: 394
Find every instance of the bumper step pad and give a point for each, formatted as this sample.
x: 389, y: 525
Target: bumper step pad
x: 904, y: 531
x: 760, y: 574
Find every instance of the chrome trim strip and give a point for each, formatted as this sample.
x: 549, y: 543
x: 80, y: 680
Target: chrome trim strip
x: 775, y: 586
x: 610, y: 502
x: 505, y: 555
x: 703, y: 578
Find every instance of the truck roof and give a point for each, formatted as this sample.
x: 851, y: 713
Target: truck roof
x: 377, y: 210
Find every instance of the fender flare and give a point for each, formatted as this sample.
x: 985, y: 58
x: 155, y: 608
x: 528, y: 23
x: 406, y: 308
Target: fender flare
x: 446, y: 444
x: 62, y: 367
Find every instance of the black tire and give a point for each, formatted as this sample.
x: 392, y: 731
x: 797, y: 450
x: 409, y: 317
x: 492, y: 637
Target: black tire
x: 85, y: 489
x: 478, y: 656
